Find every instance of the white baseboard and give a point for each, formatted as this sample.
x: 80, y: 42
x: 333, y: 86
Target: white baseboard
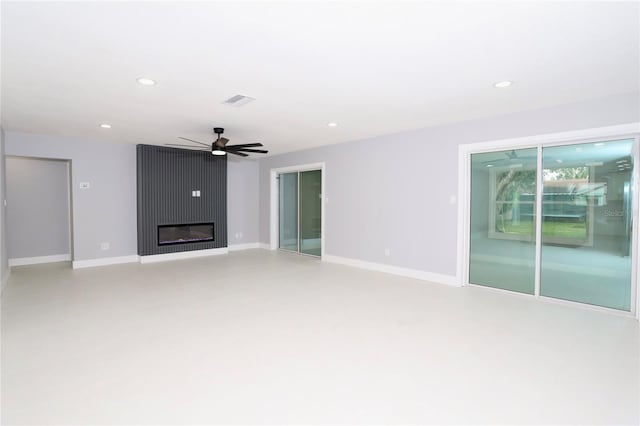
x: 39, y: 259
x: 395, y: 270
x: 183, y: 255
x: 245, y: 246
x: 104, y: 261
x: 265, y: 246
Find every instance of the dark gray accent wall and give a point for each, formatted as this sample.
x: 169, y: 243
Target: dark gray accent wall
x: 166, y: 178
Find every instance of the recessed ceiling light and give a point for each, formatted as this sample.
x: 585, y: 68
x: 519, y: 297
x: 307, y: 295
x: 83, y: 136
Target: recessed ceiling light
x: 332, y: 124
x: 146, y: 81
x: 621, y: 161
x: 489, y: 165
x: 501, y: 84
x: 599, y: 144
x: 559, y: 161
x: 105, y: 126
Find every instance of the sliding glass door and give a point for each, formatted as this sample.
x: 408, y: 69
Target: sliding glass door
x: 586, y: 213
x: 310, y: 211
x: 502, y: 235
x: 300, y: 211
x: 575, y: 242
x: 288, y: 209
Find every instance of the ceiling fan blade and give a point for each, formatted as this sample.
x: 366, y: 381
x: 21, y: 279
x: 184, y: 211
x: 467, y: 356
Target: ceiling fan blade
x: 193, y: 148
x: 245, y: 145
x: 191, y: 140
x: 237, y: 153
x: 259, y: 151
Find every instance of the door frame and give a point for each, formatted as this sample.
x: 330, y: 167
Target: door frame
x: 274, y: 225
x: 623, y: 131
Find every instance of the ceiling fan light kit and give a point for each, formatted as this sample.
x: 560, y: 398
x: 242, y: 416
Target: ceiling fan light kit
x: 220, y: 147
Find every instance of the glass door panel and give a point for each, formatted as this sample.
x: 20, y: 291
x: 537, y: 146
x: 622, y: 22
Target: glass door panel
x: 586, y: 223
x: 502, y: 232
x: 310, y: 212
x: 288, y: 211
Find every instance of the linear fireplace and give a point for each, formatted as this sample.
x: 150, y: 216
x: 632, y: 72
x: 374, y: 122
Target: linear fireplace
x: 184, y: 234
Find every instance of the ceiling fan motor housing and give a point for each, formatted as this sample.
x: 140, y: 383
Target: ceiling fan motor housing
x: 218, y: 130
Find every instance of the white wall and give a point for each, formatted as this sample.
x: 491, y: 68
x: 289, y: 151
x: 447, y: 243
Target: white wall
x: 107, y: 211
x: 38, y: 213
x: 242, y: 201
x: 397, y: 191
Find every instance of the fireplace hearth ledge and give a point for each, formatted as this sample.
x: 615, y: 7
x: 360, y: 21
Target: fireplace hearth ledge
x: 152, y: 258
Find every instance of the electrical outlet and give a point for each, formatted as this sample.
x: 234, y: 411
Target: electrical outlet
x: 104, y: 246
x: 85, y: 185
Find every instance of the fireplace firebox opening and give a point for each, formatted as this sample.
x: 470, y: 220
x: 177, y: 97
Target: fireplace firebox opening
x: 185, y: 233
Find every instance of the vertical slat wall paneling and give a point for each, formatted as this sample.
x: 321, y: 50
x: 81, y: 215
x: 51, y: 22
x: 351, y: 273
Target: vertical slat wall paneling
x: 166, y: 179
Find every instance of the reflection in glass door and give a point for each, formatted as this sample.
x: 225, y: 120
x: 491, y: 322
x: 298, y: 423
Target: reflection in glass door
x: 288, y: 211
x: 559, y: 226
x: 310, y: 211
x: 502, y: 233
x: 300, y: 212
x: 586, y: 216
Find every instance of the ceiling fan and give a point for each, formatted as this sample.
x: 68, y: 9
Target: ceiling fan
x: 511, y: 158
x: 220, y: 147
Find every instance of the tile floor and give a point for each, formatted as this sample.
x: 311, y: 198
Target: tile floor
x: 269, y: 337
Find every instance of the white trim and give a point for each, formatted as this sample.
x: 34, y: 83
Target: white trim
x: 183, y: 255
x: 539, y: 201
x: 40, y: 259
x: 462, y: 261
x: 395, y: 270
x: 104, y: 261
x: 630, y: 130
x: 265, y: 246
x: 559, y: 138
x: 5, y: 280
x: 245, y: 246
x: 273, y: 205
x: 635, y: 220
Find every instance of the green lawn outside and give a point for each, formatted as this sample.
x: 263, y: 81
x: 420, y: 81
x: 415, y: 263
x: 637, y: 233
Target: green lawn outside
x: 549, y: 229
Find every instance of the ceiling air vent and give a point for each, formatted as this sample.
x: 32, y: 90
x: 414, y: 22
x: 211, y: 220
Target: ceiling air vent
x: 239, y: 100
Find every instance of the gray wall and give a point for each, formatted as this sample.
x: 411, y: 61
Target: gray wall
x: 4, y: 266
x: 38, y: 207
x: 394, y: 191
x: 242, y: 201
x: 106, y: 212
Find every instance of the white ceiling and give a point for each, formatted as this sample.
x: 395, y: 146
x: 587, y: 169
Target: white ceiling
x: 374, y: 68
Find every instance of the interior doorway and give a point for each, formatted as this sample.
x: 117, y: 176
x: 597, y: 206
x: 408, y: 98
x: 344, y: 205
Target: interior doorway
x: 297, y: 209
x: 39, y: 228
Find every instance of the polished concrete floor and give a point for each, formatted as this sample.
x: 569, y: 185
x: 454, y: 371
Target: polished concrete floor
x: 267, y: 337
